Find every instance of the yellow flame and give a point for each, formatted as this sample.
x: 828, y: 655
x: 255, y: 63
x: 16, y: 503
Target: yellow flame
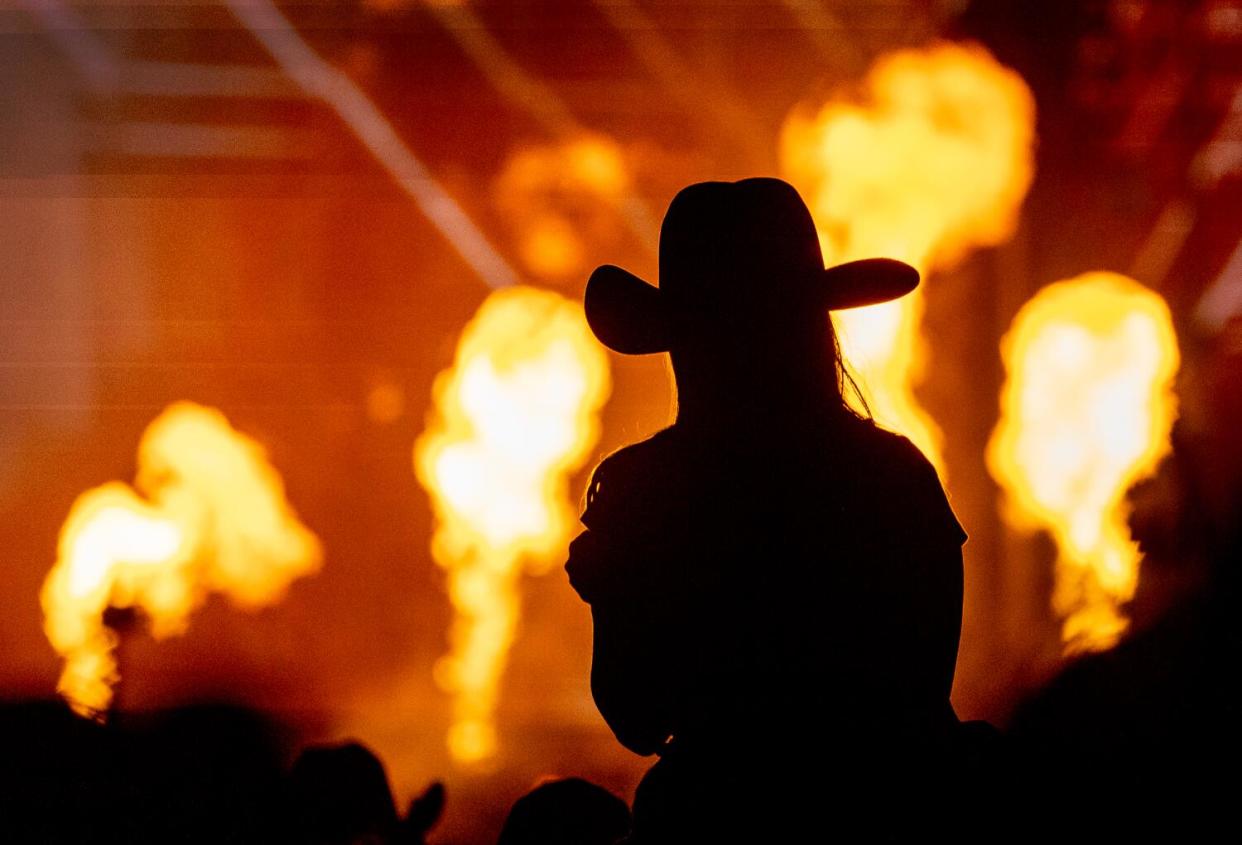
x: 214, y: 519
x: 931, y: 161
x: 514, y: 416
x: 1085, y: 412
x: 556, y: 195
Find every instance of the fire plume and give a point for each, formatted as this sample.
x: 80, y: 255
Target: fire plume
x: 513, y: 417
x: 558, y: 196
x: 1086, y: 411
x: 930, y: 161
x: 209, y: 515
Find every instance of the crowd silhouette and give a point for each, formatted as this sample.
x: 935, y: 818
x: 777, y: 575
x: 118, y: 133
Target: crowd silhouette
x: 776, y: 589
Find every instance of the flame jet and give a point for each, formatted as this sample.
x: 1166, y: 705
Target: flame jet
x: 1086, y: 411
x: 555, y: 195
x: 930, y: 161
x: 512, y: 418
x: 211, y: 517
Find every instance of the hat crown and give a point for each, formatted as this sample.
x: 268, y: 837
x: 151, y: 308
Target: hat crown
x: 730, y: 242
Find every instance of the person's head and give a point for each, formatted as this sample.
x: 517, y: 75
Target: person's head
x: 570, y: 811
x: 340, y: 794
x: 743, y: 301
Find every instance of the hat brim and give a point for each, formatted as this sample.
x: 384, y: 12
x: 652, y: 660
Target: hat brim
x: 626, y: 313
x: 629, y: 316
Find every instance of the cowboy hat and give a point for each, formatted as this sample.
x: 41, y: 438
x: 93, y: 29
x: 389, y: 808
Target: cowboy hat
x: 731, y: 248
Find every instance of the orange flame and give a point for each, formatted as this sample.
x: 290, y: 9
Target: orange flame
x: 1085, y: 412
x: 514, y: 416
x: 932, y: 163
x: 214, y: 519
x: 554, y: 195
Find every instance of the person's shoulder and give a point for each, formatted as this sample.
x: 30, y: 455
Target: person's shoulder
x: 619, y: 479
x: 633, y: 458
x: 895, y: 461
x: 633, y: 455
x: 891, y: 452
x: 616, y: 509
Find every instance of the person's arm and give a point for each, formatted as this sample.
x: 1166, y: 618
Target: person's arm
x: 946, y: 585
x: 627, y: 680
x: 629, y: 665
x: 943, y: 582
x: 932, y: 588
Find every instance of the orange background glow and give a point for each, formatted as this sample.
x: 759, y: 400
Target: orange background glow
x: 293, y: 362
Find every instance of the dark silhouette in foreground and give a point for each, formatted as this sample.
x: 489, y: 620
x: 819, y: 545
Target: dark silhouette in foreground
x: 339, y: 794
x: 775, y: 582
x: 1141, y: 743
x: 201, y: 774
x: 570, y: 811
x: 195, y: 774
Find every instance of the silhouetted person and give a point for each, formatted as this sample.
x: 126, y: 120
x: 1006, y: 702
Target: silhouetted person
x: 339, y: 795
x: 571, y: 811
x: 775, y: 582
x: 201, y: 774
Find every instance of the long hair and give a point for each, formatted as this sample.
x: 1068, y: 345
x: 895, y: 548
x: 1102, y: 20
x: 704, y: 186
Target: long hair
x: 845, y: 379
x: 849, y: 397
